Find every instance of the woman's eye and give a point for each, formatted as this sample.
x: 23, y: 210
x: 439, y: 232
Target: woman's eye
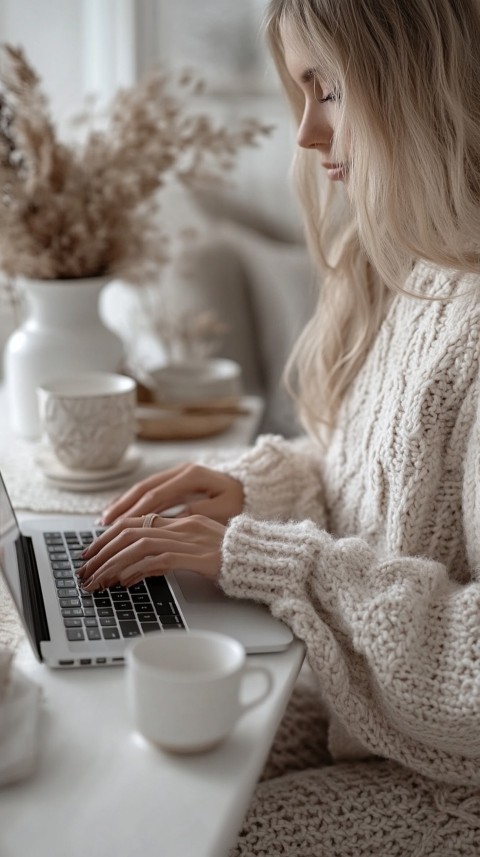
x: 331, y: 96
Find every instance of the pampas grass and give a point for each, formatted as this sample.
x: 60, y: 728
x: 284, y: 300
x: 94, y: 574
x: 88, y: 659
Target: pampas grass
x: 93, y: 208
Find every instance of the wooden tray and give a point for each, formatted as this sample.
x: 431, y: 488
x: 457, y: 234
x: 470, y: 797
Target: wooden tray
x: 157, y: 423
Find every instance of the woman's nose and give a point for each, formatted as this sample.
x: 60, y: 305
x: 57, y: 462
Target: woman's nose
x: 315, y: 130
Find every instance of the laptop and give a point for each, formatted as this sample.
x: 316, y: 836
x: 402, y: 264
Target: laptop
x: 70, y: 628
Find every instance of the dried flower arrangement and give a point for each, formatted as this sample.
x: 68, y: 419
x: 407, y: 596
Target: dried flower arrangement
x: 69, y: 211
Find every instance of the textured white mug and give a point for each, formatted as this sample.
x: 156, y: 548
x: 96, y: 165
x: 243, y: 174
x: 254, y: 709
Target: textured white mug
x: 89, y: 418
x: 184, y: 688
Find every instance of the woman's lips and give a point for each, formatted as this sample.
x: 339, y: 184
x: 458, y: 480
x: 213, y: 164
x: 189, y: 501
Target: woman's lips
x: 336, y: 172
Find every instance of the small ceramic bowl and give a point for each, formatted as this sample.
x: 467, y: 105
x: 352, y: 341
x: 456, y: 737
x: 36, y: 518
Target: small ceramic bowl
x: 207, y: 380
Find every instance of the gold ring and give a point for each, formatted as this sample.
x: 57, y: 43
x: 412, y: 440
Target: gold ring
x: 149, y: 519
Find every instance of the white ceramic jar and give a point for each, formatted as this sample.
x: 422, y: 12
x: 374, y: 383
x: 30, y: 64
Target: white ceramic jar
x: 62, y: 334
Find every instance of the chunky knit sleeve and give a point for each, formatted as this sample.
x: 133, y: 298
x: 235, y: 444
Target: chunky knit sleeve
x: 281, y: 479
x: 395, y: 643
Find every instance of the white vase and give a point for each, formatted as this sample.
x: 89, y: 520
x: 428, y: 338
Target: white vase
x: 61, y: 335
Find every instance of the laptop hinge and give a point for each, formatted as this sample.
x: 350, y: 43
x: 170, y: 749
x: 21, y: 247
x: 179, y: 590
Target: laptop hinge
x: 32, y: 598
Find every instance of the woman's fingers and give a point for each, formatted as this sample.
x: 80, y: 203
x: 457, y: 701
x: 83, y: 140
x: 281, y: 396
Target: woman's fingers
x: 170, y: 493
x: 108, y: 536
x: 132, y: 552
x: 131, y: 545
x: 125, y: 552
x: 134, y: 572
x: 118, y: 536
x: 129, y: 500
x: 126, y: 530
x: 221, y: 496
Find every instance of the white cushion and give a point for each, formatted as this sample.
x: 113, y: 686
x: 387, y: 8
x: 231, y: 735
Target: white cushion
x: 282, y: 290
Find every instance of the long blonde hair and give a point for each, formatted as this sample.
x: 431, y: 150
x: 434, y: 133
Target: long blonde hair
x: 408, y: 74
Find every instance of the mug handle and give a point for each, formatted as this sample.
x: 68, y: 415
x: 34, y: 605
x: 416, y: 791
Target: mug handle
x: 245, y: 706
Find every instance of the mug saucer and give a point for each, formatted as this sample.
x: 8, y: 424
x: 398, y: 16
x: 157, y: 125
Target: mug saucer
x: 55, y: 471
x: 86, y: 487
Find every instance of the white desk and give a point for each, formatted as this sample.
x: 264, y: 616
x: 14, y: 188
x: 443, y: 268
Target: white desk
x: 101, y: 791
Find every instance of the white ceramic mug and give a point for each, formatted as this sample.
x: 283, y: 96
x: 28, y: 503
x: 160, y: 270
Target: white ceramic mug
x: 89, y: 418
x: 184, y: 688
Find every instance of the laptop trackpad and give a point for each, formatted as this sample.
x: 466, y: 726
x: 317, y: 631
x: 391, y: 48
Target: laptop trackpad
x: 196, y: 589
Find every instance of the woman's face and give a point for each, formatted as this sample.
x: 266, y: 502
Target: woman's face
x: 320, y: 108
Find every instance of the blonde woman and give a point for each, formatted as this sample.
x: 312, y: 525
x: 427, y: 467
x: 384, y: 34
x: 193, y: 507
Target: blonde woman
x: 364, y: 536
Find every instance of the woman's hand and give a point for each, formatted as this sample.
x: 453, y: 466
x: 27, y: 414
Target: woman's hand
x: 221, y: 496
x: 128, y: 551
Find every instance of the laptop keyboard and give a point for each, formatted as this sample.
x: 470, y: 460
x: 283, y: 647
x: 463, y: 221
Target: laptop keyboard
x: 111, y: 614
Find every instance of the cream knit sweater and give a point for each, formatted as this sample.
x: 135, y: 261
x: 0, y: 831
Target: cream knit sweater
x: 370, y: 552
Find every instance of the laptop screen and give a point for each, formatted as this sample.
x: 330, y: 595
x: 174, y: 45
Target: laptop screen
x: 9, y: 534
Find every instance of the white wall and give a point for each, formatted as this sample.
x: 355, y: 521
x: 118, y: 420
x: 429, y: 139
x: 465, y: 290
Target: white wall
x: 48, y: 31
x: 78, y: 47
